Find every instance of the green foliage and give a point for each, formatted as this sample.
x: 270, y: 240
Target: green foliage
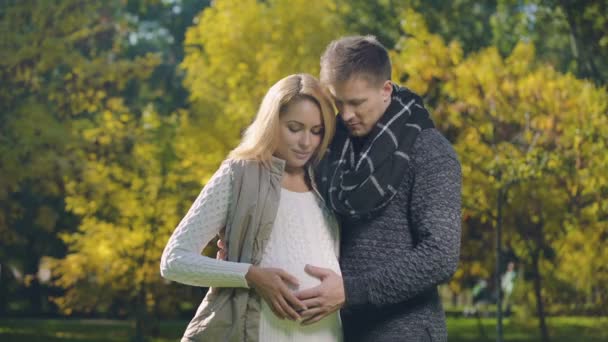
x: 466, y: 21
x: 571, y: 35
x: 54, y: 74
x: 236, y: 51
x: 83, y: 147
x: 125, y: 197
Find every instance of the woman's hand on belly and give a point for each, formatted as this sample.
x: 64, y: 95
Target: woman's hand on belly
x: 272, y: 285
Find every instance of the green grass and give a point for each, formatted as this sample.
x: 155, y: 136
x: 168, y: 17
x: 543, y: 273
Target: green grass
x: 74, y: 330
x: 562, y: 329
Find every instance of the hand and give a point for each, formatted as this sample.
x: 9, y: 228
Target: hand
x: 323, y: 299
x: 271, y: 285
x: 221, y: 250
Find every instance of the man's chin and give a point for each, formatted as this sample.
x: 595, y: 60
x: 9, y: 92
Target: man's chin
x: 357, y: 133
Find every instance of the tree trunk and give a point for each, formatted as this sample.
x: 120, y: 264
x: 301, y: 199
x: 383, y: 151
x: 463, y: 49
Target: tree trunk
x: 3, y: 288
x: 146, y: 325
x: 482, y: 332
x: 33, y: 290
x: 141, y: 317
x: 544, y: 333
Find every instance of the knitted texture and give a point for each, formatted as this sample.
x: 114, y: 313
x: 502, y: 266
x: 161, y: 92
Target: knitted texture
x: 359, y: 187
x: 304, y: 232
x: 392, y: 263
x: 182, y: 260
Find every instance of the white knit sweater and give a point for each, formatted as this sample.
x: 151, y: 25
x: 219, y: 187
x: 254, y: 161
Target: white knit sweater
x: 303, y: 233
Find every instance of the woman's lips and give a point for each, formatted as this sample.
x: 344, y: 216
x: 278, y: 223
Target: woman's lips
x: 302, y: 155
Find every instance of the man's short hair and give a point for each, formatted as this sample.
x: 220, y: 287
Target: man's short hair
x: 355, y: 55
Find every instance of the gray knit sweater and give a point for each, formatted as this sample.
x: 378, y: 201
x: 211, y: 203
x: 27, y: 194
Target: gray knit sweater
x: 392, y: 264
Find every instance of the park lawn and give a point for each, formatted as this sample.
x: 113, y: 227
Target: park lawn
x: 80, y: 330
x: 562, y: 329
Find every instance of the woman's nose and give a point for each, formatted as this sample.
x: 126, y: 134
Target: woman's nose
x: 305, y: 139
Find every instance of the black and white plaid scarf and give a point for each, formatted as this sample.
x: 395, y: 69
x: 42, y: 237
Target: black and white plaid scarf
x: 358, y: 186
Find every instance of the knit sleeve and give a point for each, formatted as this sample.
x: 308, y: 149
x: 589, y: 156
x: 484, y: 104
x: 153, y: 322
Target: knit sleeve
x: 435, y: 208
x: 182, y: 260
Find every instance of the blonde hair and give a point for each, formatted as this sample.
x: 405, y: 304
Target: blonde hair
x: 261, y: 137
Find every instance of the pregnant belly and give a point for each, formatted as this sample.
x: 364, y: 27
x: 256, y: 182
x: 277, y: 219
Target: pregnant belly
x: 294, y: 263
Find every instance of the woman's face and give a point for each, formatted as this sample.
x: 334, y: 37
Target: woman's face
x: 300, y: 133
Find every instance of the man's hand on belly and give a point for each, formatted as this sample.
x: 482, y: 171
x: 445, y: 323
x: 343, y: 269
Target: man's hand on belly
x: 324, y: 299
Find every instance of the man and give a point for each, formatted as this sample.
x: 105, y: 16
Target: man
x: 507, y: 282
x: 394, y: 181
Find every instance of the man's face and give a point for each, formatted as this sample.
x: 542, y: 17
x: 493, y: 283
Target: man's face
x: 361, y: 103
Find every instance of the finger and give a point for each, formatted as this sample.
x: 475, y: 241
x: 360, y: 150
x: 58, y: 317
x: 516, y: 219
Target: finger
x: 313, y: 319
x: 313, y: 292
x: 288, y: 277
x: 306, y: 314
x: 221, y: 244
x: 221, y: 254
x: 311, y: 303
x: 318, y: 272
x: 289, y: 311
x: 292, y: 300
x: 278, y: 310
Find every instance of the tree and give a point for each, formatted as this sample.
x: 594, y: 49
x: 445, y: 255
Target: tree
x: 127, y: 198
x: 62, y: 79
x: 235, y: 52
x: 571, y: 35
x: 53, y: 72
x: 466, y: 21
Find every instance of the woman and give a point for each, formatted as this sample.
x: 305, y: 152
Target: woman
x: 263, y: 202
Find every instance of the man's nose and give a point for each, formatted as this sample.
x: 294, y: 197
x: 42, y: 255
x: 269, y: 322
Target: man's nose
x: 347, y: 114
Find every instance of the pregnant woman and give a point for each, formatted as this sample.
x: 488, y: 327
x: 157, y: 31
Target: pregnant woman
x: 263, y: 202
